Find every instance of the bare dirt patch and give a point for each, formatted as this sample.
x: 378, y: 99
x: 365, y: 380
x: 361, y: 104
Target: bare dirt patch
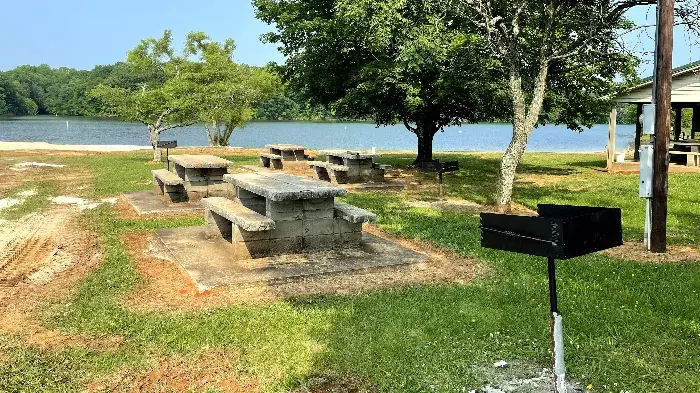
x: 70, y: 177
x: 634, y: 251
x: 168, y: 288
x: 45, y: 255
x: 211, y: 371
x: 469, y: 207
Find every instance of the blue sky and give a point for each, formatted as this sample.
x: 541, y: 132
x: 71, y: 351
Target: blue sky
x: 83, y: 33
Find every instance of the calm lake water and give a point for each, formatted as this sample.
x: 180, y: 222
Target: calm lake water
x: 314, y: 135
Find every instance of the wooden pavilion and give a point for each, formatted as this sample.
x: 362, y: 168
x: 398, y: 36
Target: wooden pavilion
x: 685, y: 93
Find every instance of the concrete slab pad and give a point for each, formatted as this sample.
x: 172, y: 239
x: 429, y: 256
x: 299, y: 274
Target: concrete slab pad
x: 209, y: 261
x: 147, y: 203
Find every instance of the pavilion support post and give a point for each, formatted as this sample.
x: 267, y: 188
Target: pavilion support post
x: 678, y: 123
x: 638, y: 132
x: 611, y: 138
x: 695, y: 128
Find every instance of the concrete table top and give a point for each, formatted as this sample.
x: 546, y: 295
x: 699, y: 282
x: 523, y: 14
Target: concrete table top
x: 350, y: 154
x: 203, y: 161
x: 285, y: 147
x: 282, y: 187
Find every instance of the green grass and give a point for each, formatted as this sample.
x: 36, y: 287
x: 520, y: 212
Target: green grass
x: 572, y: 179
x: 629, y: 325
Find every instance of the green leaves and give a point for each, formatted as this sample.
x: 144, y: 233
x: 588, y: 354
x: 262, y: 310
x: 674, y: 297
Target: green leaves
x: 222, y: 91
x: 393, y: 61
x: 203, y: 84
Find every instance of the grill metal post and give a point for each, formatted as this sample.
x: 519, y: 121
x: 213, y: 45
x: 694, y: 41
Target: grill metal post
x: 556, y: 330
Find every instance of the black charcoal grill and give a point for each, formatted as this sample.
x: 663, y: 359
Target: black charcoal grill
x: 167, y: 145
x: 441, y: 168
x: 558, y: 232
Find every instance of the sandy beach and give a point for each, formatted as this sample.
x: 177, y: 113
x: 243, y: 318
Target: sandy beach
x: 9, y: 146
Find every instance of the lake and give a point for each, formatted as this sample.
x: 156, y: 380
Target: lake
x: 314, y: 135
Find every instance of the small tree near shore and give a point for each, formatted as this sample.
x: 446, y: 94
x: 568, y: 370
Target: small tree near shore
x: 223, y: 92
x: 160, y: 99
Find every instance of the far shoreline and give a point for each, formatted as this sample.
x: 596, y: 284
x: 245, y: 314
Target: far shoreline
x: 16, y: 146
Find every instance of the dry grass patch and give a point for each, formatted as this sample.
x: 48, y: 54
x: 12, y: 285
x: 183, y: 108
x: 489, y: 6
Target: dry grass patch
x: 216, y: 370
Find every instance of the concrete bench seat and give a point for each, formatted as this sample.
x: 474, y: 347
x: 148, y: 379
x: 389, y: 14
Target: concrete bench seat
x: 328, y: 165
x: 167, y: 177
x: 248, y: 231
x: 269, y: 160
x: 353, y: 214
x: 238, y: 214
x: 330, y: 172
x: 169, y: 186
x: 692, y: 158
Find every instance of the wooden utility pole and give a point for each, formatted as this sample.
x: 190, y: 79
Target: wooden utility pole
x: 664, y: 56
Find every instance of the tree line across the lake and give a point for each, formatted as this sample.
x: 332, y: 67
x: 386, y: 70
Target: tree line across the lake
x: 42, y: 90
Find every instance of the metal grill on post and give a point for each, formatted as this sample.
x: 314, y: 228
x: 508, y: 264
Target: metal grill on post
x: 441, y: 168
x: 167, y: 145
x: 559, y: 232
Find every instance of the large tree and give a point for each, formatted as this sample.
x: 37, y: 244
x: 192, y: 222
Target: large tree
x: 157, y: 97
x: 223, y: 91
x: 562, y: 60
x: 394, y: 61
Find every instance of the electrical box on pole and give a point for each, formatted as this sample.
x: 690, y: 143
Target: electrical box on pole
x: 646, y: 171
x: 648, y: 119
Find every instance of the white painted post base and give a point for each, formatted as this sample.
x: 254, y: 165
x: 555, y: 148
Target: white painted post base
x: 558, y: 355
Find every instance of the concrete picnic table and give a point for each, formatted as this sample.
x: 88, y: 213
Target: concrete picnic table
x: 202, y: 174
x: 304, y: 213
x: 693, y: 147
x: 686, y: 153
x: 348, y: 166
x: 288, y: 152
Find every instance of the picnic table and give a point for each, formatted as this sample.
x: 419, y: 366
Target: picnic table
x: 194, y: 177
x: 278, y: 153
x: 686, y: 152
x: 348, y: 166
x: 276, y: 213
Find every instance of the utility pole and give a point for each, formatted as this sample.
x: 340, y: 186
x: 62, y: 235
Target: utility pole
x: 662, y: 72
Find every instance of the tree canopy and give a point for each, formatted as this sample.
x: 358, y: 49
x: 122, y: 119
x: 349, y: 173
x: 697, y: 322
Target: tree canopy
x: 563, y: 61
x: 398, y: 61
x: 223, y: 91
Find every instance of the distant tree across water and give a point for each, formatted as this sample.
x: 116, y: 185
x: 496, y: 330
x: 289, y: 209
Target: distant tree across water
x: 42, y: 90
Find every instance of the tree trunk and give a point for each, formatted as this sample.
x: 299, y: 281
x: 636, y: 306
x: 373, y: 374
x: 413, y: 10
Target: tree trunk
x: 509, y: 165
x: 154, y: 135
x: 524, y: 120
x: 425, y: 133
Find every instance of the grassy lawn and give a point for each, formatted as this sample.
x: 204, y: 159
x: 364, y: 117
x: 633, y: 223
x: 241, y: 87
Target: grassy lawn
x: 629, y: 326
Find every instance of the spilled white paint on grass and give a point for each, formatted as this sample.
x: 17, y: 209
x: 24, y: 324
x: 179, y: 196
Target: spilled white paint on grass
x: 81, y: 203
x: 17, y: 199
x: 9, y: 202
x: 39, y: 164
x: 28, y: 193
x: 23, y: 166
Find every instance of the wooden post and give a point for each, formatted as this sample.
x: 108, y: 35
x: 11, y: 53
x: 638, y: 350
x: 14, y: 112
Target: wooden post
x: 638, y: 132
x: 695, y: 128
x: 611, y: 138
x: 678, y: 123
x: 664, y: 59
